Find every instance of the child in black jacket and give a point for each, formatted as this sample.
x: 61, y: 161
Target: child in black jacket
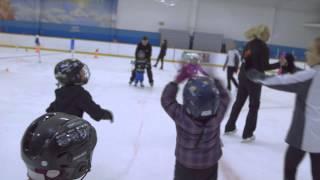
x: 71, y: 97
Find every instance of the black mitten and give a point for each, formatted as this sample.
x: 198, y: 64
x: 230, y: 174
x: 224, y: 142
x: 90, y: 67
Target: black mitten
x: 107, y: 116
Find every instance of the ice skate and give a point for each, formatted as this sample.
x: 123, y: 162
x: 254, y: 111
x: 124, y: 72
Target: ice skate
x: 130, y: 82
x: 249, y: 139
x: 230, y: 133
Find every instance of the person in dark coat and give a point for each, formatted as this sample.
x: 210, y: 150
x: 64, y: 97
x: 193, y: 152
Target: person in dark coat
x: 198, y: 146
x: 71, y: 97
x: 256, y: 56
x: 163, y: 52
x: 144, y: 47
x: 287, y: 64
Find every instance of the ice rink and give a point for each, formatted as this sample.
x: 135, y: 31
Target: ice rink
x: 140, y: 144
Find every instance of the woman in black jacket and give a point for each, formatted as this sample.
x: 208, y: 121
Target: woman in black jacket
x: 255, y: 56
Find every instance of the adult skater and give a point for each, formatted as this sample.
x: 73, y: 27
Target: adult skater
x: 58, y: 146
x: 256, y: 55
x: 232, y: 65
x: 304, y: 133
x: 146, y: 48
x: 71, y: 97
x: 162, y: 54
x: 198, y: 147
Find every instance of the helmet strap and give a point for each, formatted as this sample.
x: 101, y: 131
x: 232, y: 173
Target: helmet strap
x: 85, y: 174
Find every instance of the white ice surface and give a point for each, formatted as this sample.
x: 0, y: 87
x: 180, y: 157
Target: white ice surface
x: 140, y: 144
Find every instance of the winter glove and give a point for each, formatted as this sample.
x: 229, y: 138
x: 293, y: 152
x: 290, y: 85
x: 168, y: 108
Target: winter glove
x: 256, y: 76
x: 188, y: 71
x: 107, y: 115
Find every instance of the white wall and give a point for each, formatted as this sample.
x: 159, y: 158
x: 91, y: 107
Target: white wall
x: 289, y: 29
x: 145, y: 15
x: 229, y: 18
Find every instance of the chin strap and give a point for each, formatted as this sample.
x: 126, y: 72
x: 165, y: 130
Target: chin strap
x: 85, y: 174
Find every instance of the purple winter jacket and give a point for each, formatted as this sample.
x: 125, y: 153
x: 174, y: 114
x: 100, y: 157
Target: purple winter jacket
x: 198, y: 145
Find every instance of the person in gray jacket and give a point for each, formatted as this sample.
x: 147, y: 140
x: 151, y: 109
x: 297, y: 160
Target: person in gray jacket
x: 304, y: 133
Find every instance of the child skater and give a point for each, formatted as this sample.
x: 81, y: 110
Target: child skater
x: 140, y: 66
x: 71, y: 97
x: 197, y: 120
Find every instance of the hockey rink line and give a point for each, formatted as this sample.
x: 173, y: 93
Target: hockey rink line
x: 136, y: 145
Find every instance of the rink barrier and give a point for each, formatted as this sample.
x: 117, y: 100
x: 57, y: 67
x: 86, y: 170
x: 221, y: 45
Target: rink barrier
x: 111, y: 49
x: 301, y: 64
x: 102, y: 54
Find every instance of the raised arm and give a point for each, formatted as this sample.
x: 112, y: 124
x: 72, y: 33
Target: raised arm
x: 224, y: 101
x: 290, y: 83
x: 169, y: 100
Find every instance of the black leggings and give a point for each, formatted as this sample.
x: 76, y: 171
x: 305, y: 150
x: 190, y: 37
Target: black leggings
x: 160, y: 57
x: 294, y: 157
x: 246, y: 89
x: 184, y: 173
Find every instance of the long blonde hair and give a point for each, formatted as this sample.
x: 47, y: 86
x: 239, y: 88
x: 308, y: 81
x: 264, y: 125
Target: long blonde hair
x: 261, y: 32
x: 313, y: 53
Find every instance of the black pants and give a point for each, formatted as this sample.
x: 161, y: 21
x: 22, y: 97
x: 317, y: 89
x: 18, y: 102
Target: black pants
x: 160, y: 57
x: 230, y: 72
x: 246, y: 89
x: 294, y: 157
x: 183, y: 173
x: 149, y: 73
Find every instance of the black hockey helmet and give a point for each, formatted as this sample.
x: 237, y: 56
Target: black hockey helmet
x: 72, y: 72
x: 58, y: 146
x: 201, y: 98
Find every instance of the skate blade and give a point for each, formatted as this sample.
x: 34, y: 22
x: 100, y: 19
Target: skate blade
x: 231, y: 133
x: 248, y: 140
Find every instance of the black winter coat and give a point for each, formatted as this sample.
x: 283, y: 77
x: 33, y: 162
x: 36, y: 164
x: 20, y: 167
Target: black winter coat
x: 256, y: 56
x: 75, y: 100
x: 163, y: 50
x: 146, y: 49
